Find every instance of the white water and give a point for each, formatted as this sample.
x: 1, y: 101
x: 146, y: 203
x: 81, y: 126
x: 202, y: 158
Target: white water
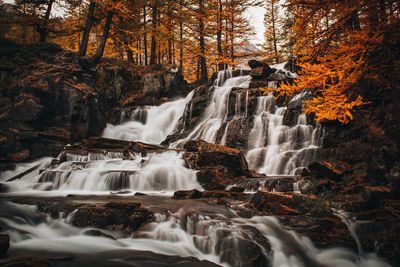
x: 217, y: 110
x: 211, y: 237
x: 273, y: 148
x: 162, y: 173
x: 149, y: 124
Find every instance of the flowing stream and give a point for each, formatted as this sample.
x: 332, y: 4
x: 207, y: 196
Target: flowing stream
x: 222, y: 238
x: 217, y: 235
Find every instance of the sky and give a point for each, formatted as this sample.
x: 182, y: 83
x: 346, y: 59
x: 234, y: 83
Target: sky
x: 255, y: 15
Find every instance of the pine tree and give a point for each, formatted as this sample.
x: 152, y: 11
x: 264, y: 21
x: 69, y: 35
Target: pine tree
x: 273, y: 27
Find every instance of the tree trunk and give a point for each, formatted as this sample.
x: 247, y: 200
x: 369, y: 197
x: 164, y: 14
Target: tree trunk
x: 153, y: 52
x: 42, y: 28
x: 145, y: 35
x: 104, y: 37
x: 86, y: 30
x: 219, y: 36
x: 170, y: 32
x: 203, y: 63
x: 274, y: 31
x: 382, y: 12
x: 181, y: 36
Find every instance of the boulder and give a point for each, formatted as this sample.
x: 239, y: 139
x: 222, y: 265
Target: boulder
x: 373, y: 194
x: 188, y: 194
x: 236, y: 189
x: 208, y: 155
x: 253, y: 63
x: 4, y: 245
x: 112, y: 216
x: 20, y: 156
x: 217, y: 164
x: 332, y: 169
x: 26, y: 108
x: 260, y: 73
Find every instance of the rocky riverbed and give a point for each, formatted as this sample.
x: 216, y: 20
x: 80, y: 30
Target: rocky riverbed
x: 209, y: 175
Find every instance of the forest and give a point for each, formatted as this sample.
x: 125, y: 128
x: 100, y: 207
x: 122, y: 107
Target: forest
x: 200, y: 133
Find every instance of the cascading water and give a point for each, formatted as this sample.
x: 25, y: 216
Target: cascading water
x: 149, y: 124
x: 216, y: 237
x: 217, y: 110
x: 214, y: 233
x: 273, y: 148
x: 156, y: 172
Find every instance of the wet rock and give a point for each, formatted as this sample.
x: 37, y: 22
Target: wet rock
x: 96, y: 232
x: 373, y: 194
x: 291, y: 65
x: 236, y: 189
x: 225, y: 194
x: 4, y: 245
x: 288, y: 203
x: 113, y: 215
x: 214, y: 178
x: 253, y: 63
x: 394, y: 178
x: 277, y: 76
x: 279, y: 184
x: 329, y: 169
x: 188, y: 194
x: 379, y: 230
x: 20, y: 156
x: 325, y: 231
x: 243, y: 253
x: 212, y: 155
x: 260, y: 73
x: 26, y: 108
x: 3, y: 188
x: 166, y: 81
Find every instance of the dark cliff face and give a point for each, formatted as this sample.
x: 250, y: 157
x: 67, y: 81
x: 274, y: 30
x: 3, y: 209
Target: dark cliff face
x: 48, y: 98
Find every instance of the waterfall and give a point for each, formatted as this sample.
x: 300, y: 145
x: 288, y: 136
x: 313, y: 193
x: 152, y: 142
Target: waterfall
x: 163, y: 172
x: 149, y: 124
x: 273, y: 148
x: 217, y: 111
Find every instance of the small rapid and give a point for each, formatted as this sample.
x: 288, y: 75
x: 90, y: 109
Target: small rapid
x: 224, y: 239
x: 161, y: 173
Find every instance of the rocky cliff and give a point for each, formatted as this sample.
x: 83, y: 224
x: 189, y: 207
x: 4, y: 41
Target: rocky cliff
x: 48, y: 97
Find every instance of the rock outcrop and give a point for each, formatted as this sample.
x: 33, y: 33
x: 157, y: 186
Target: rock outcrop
x: 49, y: 98
x: 218, y: 165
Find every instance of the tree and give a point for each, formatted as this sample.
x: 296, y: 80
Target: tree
x: 154, y: 18
x: 337, y: 43
x: 273, y: 25
x: 86, y: 31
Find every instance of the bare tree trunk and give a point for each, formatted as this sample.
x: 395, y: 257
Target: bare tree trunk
x: 274, y: 31
x: 202, y: 61
x: 104, y: 37
x: 170, y: 32
x: 153, y: 52
x: 181, y: 36
x: 86, y: 30
x: 42, y: 28
x: 219, y: 35
x: 145, y: 35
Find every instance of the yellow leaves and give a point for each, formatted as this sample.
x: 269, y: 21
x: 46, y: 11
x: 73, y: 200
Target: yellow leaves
x: 332, y: 78
x: 332, y: 106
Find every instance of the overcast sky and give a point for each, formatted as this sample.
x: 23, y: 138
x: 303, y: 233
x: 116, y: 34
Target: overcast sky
x: 255, y: 16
